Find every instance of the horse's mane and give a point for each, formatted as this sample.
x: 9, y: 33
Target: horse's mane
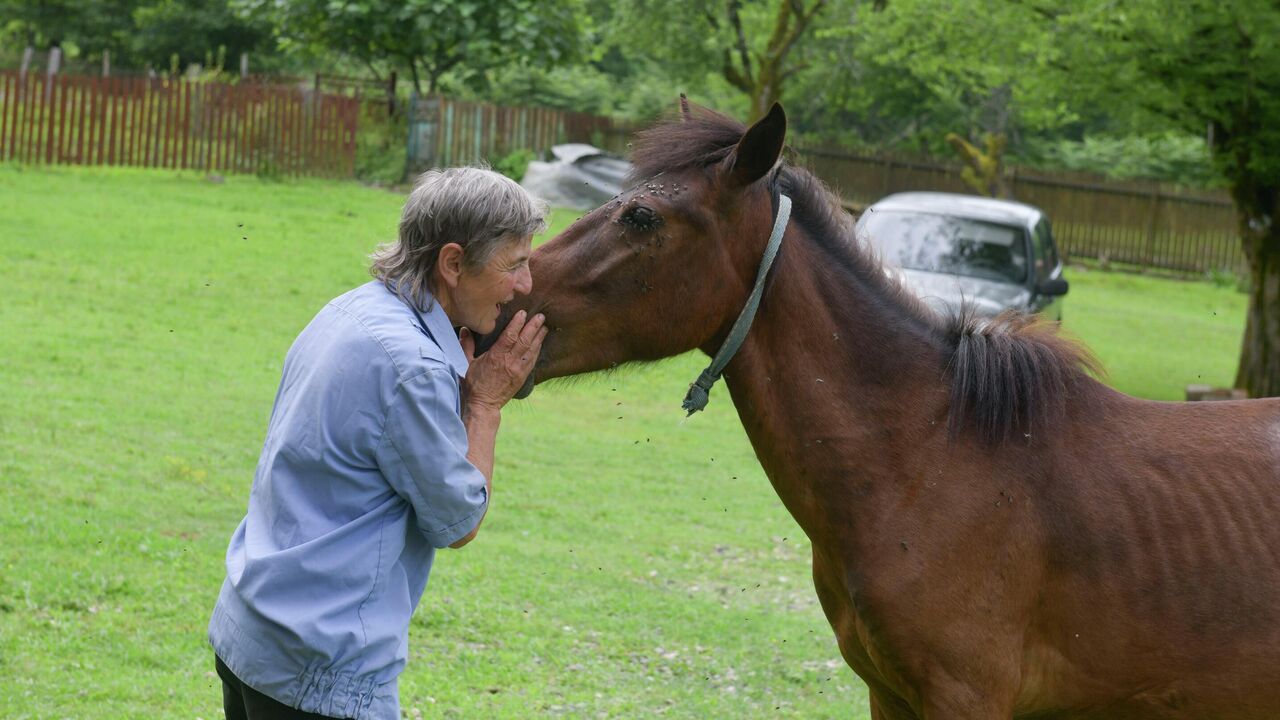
x: 1008, y: 375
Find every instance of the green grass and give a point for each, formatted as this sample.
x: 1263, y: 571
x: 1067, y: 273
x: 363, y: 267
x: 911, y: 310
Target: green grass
x: 633, y: 564
x: 1153, y: 335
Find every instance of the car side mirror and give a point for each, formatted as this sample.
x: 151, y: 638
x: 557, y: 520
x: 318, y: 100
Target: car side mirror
x: 1054, y: 287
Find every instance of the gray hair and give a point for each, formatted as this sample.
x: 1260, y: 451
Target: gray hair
x: 477, y: 208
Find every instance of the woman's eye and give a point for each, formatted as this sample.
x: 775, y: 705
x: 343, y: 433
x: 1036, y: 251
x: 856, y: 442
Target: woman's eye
x: 641, y: 218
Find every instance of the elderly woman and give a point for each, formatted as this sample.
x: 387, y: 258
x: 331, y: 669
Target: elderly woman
x: 379, y: 452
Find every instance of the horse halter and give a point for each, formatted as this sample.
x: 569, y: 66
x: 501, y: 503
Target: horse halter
x: 699, y: 392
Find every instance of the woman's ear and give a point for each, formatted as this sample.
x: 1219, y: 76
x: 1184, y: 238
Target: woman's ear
x: 449, y: 264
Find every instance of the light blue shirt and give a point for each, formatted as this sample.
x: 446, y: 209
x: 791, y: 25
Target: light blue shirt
x: 364, y: 474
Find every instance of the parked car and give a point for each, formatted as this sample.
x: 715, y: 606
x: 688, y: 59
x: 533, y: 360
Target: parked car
x: 993, y: 255
x: 578, y: 176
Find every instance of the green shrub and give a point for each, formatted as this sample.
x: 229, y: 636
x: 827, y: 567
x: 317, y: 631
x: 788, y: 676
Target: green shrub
x: 268, y: 169
x: 381, y: 146
x: 1228, y: 278
x: 1172, y: 157
x: 514, y: 163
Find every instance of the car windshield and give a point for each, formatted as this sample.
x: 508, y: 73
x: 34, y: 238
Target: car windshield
x: 945, y: 244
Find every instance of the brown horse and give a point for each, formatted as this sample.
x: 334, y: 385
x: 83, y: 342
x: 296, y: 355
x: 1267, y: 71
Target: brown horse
x: 995, y: 533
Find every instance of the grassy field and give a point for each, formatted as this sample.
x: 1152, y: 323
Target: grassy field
x: 1155, y: 336
x: 633, y: 564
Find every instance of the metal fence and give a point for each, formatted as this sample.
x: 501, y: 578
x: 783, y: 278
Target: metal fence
x: 446, y: 132
x: 175, y: 123
x: 1142, y: 223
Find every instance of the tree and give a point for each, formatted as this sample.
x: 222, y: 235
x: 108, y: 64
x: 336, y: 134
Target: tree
x: 1201, y: 64
x: 432, y: 38
x: 754, y: 46
x: 908, y: 72
x: 983, y: 168
x: 762, y: 75
x: 188, y: 31
x: 136, y: 32
x: 89, y: 25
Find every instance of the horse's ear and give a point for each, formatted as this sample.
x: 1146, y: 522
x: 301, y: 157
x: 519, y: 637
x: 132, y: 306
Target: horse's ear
x: 759, y: 149
x: 685, y: 114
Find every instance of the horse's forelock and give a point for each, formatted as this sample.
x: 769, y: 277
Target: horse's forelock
x: 703, y: 137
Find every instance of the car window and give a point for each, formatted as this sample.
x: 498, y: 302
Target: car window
x: 945, y: 244
x: 1046, y: 254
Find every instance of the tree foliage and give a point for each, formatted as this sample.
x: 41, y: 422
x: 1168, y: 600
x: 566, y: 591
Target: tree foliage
x: 909, y: 72
x: 431, y: 39
x: 755, y: 47
x: 94, y: 25
x: 137, y: 33
x: 1172, y: 155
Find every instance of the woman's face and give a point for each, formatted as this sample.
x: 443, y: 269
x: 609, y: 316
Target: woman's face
x: 480, y: 294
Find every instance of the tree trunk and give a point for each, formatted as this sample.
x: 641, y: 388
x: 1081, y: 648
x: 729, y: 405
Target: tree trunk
x: 983, y: 171
x: 1260, y: 231
x: 413, y: 72
x: 766, y: 91
x: 763, y: 82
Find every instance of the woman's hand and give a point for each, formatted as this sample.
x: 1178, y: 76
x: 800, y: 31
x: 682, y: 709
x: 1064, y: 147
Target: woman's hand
x: 495, y: 377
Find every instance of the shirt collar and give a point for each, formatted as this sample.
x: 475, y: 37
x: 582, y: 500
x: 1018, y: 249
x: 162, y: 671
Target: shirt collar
x: 440, y: 329
x: 443, y: 332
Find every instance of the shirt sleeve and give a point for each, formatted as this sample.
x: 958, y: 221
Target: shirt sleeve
x: 423, y: 454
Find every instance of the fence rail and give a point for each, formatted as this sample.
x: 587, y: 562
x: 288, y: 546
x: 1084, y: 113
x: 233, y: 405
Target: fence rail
x: 175, y: 123
x: 446, y: 132
x: 1145, y: 224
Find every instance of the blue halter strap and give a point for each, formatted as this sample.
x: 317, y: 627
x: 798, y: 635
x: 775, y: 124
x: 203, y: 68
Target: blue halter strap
x: 699, y: 391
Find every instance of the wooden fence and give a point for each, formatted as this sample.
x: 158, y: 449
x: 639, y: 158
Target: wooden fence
x: 175, y: 123
x: 445, y: 132
x: 1146, y: 224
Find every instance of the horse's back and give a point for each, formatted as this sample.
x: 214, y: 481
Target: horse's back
x: 1162, y: 561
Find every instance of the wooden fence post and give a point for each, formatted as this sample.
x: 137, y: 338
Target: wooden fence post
x: 26, y: 60
x: 1151, y: 225
x: 244, y: 65
x: 106, y: 63
x: 55, y: 60
x: 50, y: 115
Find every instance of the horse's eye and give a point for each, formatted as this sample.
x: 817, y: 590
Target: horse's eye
x: 641, y: 218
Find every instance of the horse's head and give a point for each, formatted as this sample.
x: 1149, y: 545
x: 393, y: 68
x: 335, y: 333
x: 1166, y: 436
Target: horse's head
x: 666, y: 266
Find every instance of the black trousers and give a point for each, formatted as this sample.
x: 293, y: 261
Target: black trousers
x: 241, y: 702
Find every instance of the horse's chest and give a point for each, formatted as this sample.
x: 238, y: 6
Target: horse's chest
x: 858, y: 630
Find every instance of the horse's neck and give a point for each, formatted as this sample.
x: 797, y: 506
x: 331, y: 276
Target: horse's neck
x: 829, y: 380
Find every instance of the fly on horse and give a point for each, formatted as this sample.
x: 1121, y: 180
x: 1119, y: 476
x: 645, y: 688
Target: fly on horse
x: 995, y: 533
